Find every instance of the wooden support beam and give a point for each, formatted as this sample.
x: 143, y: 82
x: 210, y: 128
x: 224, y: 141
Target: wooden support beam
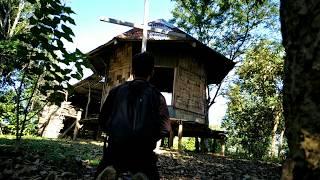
x: 77, y: 125
x: 213, y: 145
x: 162, y: 142
x: 145, y: 26
x: 223, y: 147
x: 180, y: 136
x: 203, y: 145
x: 67, y: 130
x: 88, y: 102
x: 119, y: 22
x: 171, y: 137
x: 196, y: 144
x: 105, y: 88
x: 68, y: 115
x: 139, y: 26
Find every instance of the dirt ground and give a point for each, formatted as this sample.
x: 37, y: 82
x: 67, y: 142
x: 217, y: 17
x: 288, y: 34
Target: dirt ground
x: 172, y: 165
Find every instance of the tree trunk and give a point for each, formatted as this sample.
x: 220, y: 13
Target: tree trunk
x: 280, y: 143
x: 273, y: 149
x: 300, y: 26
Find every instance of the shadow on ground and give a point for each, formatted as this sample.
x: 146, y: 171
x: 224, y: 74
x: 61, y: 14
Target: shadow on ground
x: 174, y: 165
x: 36, y: 158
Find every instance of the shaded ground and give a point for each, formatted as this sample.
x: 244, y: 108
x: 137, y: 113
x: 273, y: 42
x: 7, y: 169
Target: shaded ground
x: 77, y: 160
x: 207, y: 166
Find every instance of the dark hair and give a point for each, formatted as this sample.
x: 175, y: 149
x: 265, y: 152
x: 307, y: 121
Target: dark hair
x: 142, y: 64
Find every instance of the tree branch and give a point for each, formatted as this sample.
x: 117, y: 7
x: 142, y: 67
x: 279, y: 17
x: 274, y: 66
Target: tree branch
x: 16, y: 20
x: 244, y: 37
x: 28, y: 104
x: 19, y: 91
x: 215, y: 96
x: 38, y: 111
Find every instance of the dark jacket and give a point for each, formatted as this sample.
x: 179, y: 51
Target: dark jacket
x: 135, y: 113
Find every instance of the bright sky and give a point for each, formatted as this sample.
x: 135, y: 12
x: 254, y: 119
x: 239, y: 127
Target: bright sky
x: 91, y: 33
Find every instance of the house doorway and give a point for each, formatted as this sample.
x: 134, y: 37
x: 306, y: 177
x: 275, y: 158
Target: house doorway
x: 163, y: 78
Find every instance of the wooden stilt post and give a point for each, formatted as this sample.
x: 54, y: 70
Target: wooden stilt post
x: 170, y: 143
x: 162, y: 142
x: 213, y: 145
x: 203, y: 146
x: 223, y: 146
x: 196, y: 144
x: 88, y: 102
x: 180, y: 136
x: 77, y: 125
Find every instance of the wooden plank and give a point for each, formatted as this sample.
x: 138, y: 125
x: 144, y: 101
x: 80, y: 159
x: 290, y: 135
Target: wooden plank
x: 68, y: 115
x: 67, y: 130
x: 139, y: 26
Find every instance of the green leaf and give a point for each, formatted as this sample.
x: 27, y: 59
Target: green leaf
x: 60, y: 44
x: 67, y: 30
x: 68, y: 19
x: 48, y: 78
x: 76, y: 76
x: 31, y: 52
x: 68, y: 10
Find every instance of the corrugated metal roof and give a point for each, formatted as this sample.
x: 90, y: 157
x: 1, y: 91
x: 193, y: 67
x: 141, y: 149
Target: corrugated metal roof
x: 160, y: 30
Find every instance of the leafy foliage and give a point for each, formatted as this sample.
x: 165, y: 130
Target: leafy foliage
x: 188, y: 144
x: 255, y: 100
x: 228, y: 26
x: 35, y: 65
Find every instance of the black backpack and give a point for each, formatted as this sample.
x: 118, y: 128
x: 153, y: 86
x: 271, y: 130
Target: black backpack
x: 134, y: 118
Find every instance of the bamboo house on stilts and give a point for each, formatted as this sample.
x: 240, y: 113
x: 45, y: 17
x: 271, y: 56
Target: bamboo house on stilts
x: 183, y: 69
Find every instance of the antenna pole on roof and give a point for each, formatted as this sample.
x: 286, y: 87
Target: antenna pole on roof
x: 145, y: 26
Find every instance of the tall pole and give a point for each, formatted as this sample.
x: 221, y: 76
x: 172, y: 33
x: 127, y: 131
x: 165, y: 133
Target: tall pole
x: 145, y: 26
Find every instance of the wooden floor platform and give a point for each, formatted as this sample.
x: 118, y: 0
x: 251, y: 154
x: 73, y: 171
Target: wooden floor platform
x: 182, y: 128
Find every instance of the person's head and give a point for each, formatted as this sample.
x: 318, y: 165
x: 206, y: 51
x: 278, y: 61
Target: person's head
x: 142, y: 65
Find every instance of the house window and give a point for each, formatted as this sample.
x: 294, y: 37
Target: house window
x: 163, y: 80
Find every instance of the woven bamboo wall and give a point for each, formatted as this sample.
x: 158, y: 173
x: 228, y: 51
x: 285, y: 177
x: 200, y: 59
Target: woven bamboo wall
x: 190, y: 90
x: 120, y: 67
x: 189, y: 86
